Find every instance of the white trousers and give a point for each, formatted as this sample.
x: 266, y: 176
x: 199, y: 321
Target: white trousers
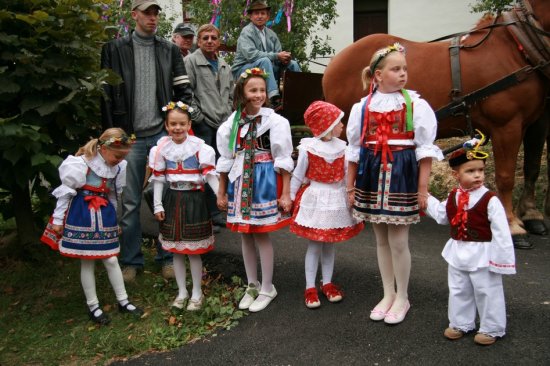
x: 481, y: 290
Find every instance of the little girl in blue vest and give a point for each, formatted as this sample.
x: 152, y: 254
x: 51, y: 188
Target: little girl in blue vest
x: 479, y: 251
x: 391, y: 135
x: 84, y: 222
x: 186, y: 162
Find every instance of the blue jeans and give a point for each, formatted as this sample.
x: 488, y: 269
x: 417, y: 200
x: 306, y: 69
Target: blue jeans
x: 274, y: 71
x: 131, y: 239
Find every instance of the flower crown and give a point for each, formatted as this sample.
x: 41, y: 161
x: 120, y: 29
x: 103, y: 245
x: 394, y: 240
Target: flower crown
x: 123, y: 140
x: 256, y: 71
x: 396, y: 47
x: 179, y: 104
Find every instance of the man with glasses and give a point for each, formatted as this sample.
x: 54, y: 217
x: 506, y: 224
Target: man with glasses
x: 259, y: 46
x: 153, y: 74
x: 183, y: 36
x: 212, y: 85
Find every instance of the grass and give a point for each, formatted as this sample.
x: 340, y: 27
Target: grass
x: 43, y: 318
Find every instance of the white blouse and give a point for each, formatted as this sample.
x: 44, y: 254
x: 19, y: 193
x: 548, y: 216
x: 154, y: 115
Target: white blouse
x: 425, y: 124
x: 73, y: 173
x: 166, y: 149
x: 279, y: 136
x: 497, y: 255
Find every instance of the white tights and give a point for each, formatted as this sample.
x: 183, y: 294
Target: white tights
x: 315, y: 251
x: 195, y: 264
x: 265, y: 248
x: 394, y: 262
x: 87, y: 277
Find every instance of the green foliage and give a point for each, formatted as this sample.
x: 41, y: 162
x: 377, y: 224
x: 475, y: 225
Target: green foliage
x: 491, y: 6
x: 44, y: 317
x: 49, y: 86
x: 307, y: 18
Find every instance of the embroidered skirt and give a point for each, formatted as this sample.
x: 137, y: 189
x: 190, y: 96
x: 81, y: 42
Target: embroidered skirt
x: 187, y: 226
x: 390, y: 196
x: 265, y: 215
x: 88, y: 233
x: 321, y: 213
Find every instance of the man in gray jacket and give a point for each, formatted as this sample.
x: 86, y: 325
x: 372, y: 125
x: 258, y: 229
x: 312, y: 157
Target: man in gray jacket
x: 259, y: 46
x: 212, y: 85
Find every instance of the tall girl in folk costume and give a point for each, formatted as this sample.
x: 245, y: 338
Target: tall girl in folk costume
x: 255, y: 145
x: 321, y: 210
x: 391, y: 133
x: 84, y: 223
x: 185, y: 162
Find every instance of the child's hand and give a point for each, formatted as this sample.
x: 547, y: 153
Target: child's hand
x: 285, y: 202
x: 58, y: 229
x: 119, y: 230
x: 423, y: 201
x: 160, y: 216
x: 222, y: 202
x: 351, y: 197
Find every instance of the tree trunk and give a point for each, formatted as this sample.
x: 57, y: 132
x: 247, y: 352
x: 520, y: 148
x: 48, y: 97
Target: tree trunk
x: 26, y: 229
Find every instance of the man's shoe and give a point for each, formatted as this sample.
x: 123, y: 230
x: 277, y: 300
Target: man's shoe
x: 129, y: 274
x: 168, y: 271
x: 453, y: 333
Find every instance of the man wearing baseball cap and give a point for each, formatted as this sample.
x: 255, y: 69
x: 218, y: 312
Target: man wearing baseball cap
x: 259, y: 46
x: 183, y: 36
x: 153, y: 74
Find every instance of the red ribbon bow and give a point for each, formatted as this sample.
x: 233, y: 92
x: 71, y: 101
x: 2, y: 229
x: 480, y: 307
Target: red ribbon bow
x: 461, y: 217
x: 383, y: 129
x: 95, y: 202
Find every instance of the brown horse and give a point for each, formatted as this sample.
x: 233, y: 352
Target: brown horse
x: 503, y: 115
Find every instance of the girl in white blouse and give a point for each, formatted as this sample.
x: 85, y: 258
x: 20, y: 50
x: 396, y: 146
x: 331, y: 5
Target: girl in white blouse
x: 84, y: 222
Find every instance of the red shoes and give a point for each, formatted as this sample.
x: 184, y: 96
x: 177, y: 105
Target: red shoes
x: 332, y: 292
x: 312, y: 299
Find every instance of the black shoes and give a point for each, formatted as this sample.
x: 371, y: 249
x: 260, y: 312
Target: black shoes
x: 98, y: 316
x: 130, y: 308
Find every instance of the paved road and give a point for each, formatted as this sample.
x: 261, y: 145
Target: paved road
x: 287, y: 333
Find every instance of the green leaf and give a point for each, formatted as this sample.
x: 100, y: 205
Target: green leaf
x: 7, y: 87
x: 48, y: 107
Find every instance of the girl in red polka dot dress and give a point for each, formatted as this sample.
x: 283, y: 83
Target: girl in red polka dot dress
x: 322, y: 212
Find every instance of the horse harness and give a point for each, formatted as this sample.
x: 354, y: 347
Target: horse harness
x: 529, y: 37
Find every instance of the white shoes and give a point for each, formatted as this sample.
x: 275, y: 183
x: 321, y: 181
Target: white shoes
x: 250, y: 295
x: 259, y: 305
x: 179, y: 303
x: 195, y: 305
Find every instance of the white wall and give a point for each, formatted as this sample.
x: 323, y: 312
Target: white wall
x: 424, y: 20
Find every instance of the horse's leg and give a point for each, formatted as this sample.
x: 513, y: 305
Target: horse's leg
x: 526, y: 209
x: 506, y: 143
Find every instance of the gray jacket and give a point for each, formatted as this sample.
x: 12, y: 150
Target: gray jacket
x: 250, y: 47
x: 212, y: 93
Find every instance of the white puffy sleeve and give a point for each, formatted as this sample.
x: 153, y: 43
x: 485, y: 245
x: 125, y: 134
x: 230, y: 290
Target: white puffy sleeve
x: 207, y: 160
x: 157, y: 164
x: 502, y: 247
x: 280, y: 138
x: 437, y: 210
x: 299, y: 172
x: 353, y: 133
x: 73, y: 176
x: 226, y: 159
x: 425, y: 131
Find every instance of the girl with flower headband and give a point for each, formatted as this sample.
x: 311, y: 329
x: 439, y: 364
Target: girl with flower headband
x: 84, y: 222
x: 391, y: 135
x: 186, y: 163
x: 255, y: 162
x: 321, y: 211
x: 479, y: 251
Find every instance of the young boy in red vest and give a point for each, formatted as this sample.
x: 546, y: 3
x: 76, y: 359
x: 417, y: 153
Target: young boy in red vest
x: 479, y: 251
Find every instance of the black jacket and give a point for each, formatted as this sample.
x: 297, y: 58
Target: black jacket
x: 172, y: 80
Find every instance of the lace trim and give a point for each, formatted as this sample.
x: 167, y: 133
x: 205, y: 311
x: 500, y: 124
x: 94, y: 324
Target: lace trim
x: 382, y: 102
x: 98, y: 165
x: 328, y: 150
x: 179, y: 152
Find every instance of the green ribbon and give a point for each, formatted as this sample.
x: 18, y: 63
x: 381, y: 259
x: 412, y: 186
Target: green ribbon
x: 234, y: 129
x: 408, y: 107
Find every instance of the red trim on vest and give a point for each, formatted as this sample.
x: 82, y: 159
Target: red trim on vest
x: 478, y: 227
x: 322, y: 171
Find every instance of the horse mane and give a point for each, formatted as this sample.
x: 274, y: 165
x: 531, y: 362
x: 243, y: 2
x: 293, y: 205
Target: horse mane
x: 485, y: 19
